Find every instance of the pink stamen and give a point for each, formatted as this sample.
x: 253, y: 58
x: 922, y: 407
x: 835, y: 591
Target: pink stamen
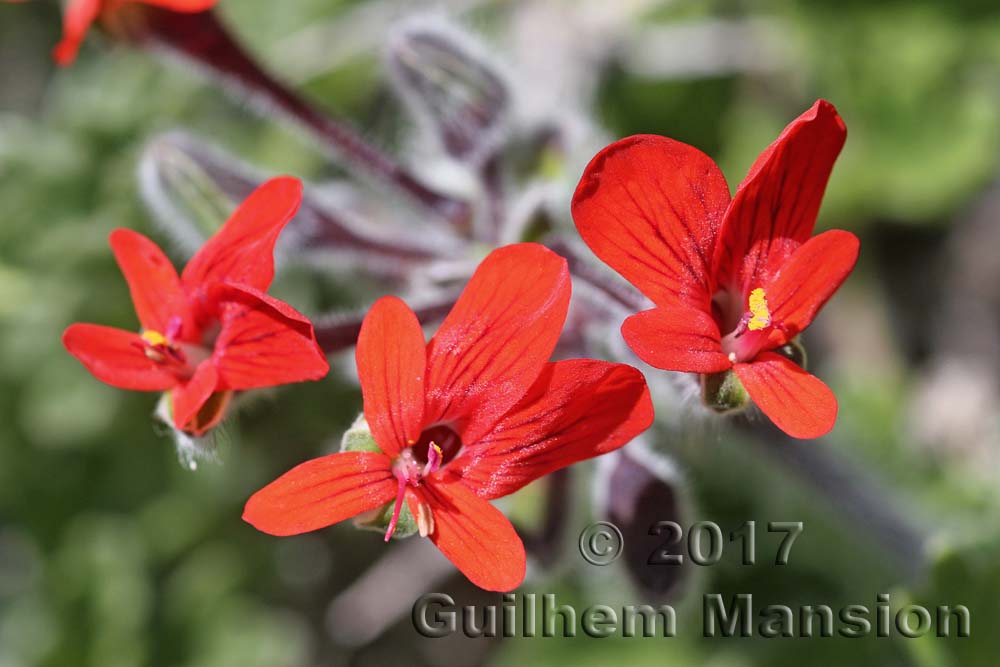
x: 400, y: 494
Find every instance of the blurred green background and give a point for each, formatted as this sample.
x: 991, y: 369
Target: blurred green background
x: 113, y: 554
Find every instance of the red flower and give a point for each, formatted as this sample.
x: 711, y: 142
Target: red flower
x: 473, y: 415
x: 80, y: 14
x: 733, y: 280
x: 212, y: 330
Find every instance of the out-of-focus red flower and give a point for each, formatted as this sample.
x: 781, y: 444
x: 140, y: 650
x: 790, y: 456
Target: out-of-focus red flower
x: 473, y: 415
x: 733, y: 279
x: 80, y: 14
x: 212, y: 330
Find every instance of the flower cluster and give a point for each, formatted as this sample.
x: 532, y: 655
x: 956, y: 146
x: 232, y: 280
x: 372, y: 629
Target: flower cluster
x: 481, y: 410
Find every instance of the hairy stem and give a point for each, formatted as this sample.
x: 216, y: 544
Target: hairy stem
x: 582, y: 268
x: 202, y: 38
x: 339, y: 332
x: 856, y: 495
x: 491, y: 177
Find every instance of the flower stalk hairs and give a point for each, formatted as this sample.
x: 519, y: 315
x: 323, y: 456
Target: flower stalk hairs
x: 212, y: 330
x: 473, y: 415
x: 734, y: 279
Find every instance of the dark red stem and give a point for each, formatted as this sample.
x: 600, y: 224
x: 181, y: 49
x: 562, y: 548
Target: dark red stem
x: 202, y: 38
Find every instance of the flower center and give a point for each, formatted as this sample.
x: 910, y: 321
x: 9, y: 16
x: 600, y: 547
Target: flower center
x: 168, y: 350
x: 446, y: 439
x: 752, y: 330
x: 437, y: 446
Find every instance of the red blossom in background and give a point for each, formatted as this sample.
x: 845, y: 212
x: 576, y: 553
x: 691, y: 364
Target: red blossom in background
x: 212, y: 330
x: 733, y: 279
x: 81, y: 14
x: 474, y: 415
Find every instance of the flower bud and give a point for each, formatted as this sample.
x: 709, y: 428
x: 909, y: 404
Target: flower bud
x: 358, y: 438
x: 190, y: 195
x: 639, y: 491
x: 451, y: 87
x: 192, y: 186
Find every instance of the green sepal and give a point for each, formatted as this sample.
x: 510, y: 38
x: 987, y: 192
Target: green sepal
x: 794, y: 352
x: 723, y: 392
x: 378, y: 520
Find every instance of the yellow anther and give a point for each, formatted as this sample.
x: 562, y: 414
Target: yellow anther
x: 155, y: 338
x: 760, y: 315
x: 437, y: 449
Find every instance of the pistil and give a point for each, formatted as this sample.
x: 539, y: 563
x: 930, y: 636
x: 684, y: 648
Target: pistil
x: 408, y: 471
x: 434, y: 458
x: 397, y: 508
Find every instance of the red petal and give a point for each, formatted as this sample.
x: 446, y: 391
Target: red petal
x: 152, y: 279
x: 676, y: 337
x: 76, y: 21
x: 264, y: 342
x: 322, y: 492
x: 576, y: 410
x: 475, y: 536
x: 651, y: 207
x: 392, y: 360
x: 809, y: 278
x: 210, y: 414
x: 187, y: 6
x: 80, y: 14
x: 242, y: 252
x: 116, y: 357
x: 188, y: 398
x: 775, y: 208
x: 497, y: 338
x: 797, y: 402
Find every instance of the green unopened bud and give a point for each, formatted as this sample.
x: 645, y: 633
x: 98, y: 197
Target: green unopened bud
x: 191, y: 188
x: 358, y: 438
x: 723, y: 392
x: 638, y: 490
